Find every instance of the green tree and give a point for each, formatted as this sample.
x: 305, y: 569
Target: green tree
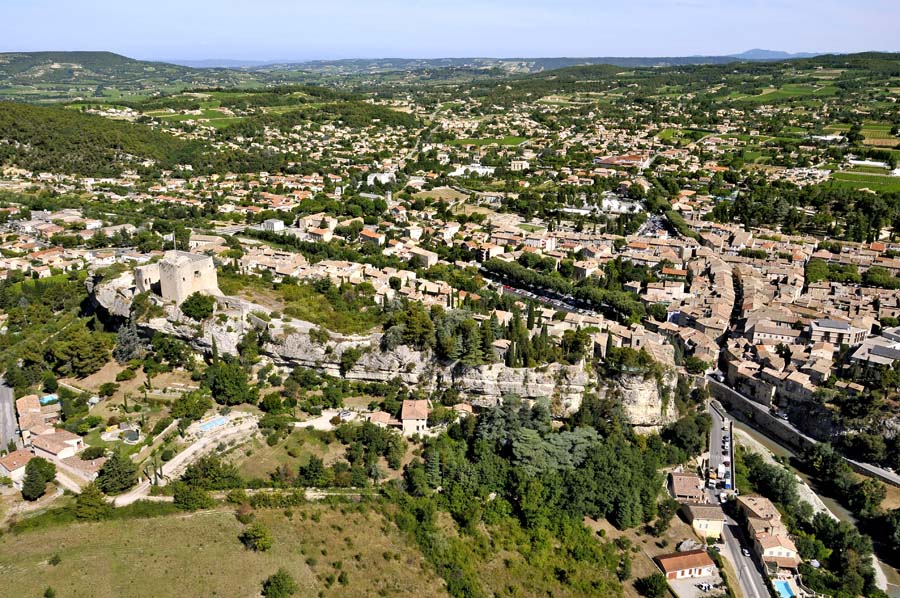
x: 191, y: 498
x: 280, y: 585
x: 652, y: 586
x: 91, y: 504
x: 198, y: 307
x: 117, y: 474
x: 257, y: 537
x: 191, y: 405
x: 211, y: 473
x: 38, y: 472
x: 229, y: 384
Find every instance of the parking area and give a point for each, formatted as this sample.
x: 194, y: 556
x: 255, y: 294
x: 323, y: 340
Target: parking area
x: 707, y: 587
x: 721, y: 445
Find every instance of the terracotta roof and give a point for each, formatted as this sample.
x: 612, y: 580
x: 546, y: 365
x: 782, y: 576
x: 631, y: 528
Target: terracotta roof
x: 679, y: 561
x: 54, y: 443
x: 686, y: 485
x: 414, y: 409
x: 769, y: 541
x: 710, y: 512
x: 16, y: 460
x: 784, y: 562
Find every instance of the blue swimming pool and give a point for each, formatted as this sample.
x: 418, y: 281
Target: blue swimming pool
x: 784, y: 589
x: 213, y: 423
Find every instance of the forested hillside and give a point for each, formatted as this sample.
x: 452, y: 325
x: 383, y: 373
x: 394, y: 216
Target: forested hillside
x: 56, y: 139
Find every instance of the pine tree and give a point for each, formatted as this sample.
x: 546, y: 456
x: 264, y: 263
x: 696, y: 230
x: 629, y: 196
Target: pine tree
x: 487, y: 341
x: 91, y: 504
x: 129, y: 344
x: 117, y: 474
x: 511, y: 355
x: 530, y: 323
x: 433, y: 467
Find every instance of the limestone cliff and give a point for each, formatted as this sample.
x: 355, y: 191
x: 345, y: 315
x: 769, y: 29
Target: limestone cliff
x: 646, y: 400
x: 114, y: 296
x: 298, y: 343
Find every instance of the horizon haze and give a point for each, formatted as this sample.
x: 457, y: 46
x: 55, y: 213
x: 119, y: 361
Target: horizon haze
x: 301, y: 31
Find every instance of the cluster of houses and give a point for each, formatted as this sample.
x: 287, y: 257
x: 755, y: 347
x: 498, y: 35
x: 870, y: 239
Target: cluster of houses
x: 40, y: 437
x: 771, y: 543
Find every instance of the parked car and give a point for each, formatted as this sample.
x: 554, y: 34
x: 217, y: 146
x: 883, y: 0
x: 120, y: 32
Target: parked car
x: 745, y: 551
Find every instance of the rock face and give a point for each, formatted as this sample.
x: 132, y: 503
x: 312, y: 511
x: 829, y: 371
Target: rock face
x: 297, y: 343
x: 115, y: 295
x: 646, y: 401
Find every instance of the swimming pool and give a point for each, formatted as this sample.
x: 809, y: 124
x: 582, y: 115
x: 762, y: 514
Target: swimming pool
x: 214, y: 423
x: 784, y: 589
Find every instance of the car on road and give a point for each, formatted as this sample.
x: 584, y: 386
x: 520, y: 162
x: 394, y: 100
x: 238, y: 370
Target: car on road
x: 745, y: 551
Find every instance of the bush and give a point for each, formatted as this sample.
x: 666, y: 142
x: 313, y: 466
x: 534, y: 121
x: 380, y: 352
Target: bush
x: 93, y: 452
x: 244, y: 513
x: 198, y: 307
x: 191, y: 498
x: 279, y: 585
x: 127, y: 374
x: 652, y: 586
x: 257, y: 537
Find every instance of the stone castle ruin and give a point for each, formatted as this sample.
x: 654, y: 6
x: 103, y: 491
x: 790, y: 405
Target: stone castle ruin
x: 177, y: 276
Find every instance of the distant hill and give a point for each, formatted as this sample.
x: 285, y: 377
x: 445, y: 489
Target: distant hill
x: 70, y: 75
x: 224, y: 63
x: 758, y: 54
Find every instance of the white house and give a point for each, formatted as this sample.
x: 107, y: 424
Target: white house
x: 13, y: 465
x: 414, y: 417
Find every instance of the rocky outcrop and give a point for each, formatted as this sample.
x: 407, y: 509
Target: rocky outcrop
x: 297, y: 343
x: 114, y: 296
x: 646, y: 400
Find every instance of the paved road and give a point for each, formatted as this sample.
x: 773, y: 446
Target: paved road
x: 750, y: 577
x: 873, y: 470
x: 717, y: 453
x: 8, y: 424
x: 179, y: 463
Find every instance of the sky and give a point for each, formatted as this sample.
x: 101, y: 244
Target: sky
x: 332, y: 29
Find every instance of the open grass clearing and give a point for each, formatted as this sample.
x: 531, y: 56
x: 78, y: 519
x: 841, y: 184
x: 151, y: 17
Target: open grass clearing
x: 198, y: 554
x: 257, y: 459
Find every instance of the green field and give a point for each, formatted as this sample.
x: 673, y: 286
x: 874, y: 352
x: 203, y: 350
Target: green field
x: 786, y: 92
x: 886, y: 184
x: 198, y: 554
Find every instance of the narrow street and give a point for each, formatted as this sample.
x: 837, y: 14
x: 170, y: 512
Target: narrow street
x: 750, y: 576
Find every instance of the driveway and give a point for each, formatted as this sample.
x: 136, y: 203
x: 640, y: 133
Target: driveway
x: 174, y: 468
x: 323, y: 422
x: 689, y: 588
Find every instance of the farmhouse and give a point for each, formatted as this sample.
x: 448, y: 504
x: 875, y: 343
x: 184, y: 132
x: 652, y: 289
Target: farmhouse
x: 682, y: 565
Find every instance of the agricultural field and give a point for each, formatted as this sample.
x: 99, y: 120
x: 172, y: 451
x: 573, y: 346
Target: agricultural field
x: 787, y: 92
x: 884, y: 184
x: 879, y: 135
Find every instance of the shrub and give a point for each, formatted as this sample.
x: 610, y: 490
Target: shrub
x: 652, y: 586
x: 279, y: 585
x: 256, y: 537
x: 127, y: 374
x: 191, y: 498
x: 92, y: 452
x: 198, y: 307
